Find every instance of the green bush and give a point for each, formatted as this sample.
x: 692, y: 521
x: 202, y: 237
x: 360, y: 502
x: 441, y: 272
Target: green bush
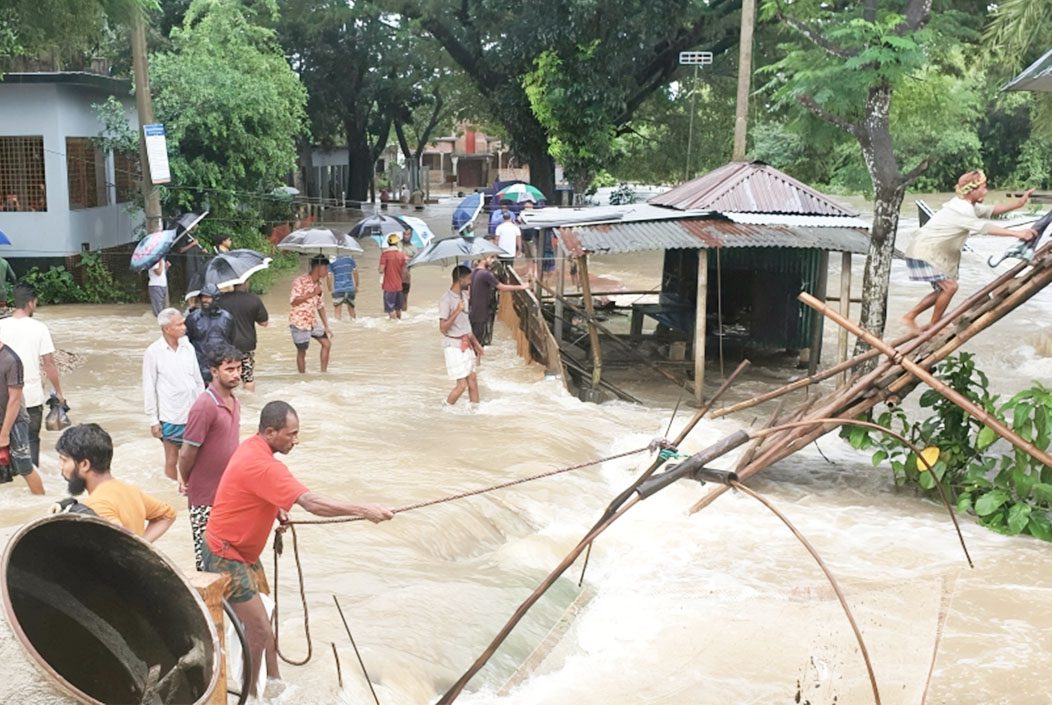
x: 54, y: 286
x: 58, y: 286
x: 1009, y: 492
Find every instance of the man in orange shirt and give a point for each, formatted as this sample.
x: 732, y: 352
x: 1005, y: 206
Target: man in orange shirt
x: 84, y: 455
x: 257, y: 488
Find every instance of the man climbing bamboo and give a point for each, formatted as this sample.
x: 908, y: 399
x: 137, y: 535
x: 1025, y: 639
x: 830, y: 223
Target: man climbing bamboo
x: 934, y: 254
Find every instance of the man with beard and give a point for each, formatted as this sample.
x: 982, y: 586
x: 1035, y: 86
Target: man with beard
x: 208, y: 328
x: 210, y: 438
x: 934, y: 253
x: 84, y: 455
x: 255, y: 489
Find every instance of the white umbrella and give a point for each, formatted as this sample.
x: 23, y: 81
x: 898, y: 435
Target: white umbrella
x: 319, y: 241
x: 455, y: 249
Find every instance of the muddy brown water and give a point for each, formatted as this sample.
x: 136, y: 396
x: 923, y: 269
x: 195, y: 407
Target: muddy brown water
x: 722, y: 607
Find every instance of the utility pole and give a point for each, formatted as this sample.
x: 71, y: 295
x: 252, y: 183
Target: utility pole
x: 741, y: 110
x: 144, y: 106
x: 695, y: 59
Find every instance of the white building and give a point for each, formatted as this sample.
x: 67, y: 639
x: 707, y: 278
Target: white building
x: 59, y: 193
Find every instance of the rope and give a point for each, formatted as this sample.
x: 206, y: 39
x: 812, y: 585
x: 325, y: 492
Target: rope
x: 658, y: 444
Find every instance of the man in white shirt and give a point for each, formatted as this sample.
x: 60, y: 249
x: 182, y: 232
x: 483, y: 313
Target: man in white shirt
x: 31, y: 341
x: 158, y: 287
x: 171, y: 382
x: 509, y: 239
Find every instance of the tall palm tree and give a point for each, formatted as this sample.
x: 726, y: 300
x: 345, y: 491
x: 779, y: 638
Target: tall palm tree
x: 1016, y: 28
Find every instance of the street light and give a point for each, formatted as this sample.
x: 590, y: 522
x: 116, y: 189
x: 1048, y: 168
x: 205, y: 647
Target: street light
x: 695, y: 59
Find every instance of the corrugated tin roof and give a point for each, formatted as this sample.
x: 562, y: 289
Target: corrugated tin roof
x: 749, y: 187
x: 1036, y: 77
x: 809, y: 221
x: 617, y: 238
x: 628, y: 213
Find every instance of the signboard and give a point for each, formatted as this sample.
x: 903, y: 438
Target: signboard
x: 157, y: 153
x: 697, y: 58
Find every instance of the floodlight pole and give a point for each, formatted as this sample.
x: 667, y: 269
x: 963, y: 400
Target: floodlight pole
x: 741, y: 108
x: 695, y: 59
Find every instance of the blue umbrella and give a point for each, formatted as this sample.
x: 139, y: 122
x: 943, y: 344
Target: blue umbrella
x: 4, y: 239
x: 152, y: 248
x: 422, y: 235
x: 466, y: 212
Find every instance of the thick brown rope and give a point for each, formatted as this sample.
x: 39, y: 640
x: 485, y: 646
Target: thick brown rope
x: 655, y: 445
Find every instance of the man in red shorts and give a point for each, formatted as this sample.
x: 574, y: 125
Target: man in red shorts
x: 257, y: 488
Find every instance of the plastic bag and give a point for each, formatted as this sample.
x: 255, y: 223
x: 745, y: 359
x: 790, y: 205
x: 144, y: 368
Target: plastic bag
x: 57, y: 418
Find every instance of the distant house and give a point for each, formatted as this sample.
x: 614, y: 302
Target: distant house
x: 471, y: 159
x: 59, y: 193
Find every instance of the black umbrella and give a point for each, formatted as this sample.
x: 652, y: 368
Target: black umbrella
x: 229, y: 269
x: 379, y: 225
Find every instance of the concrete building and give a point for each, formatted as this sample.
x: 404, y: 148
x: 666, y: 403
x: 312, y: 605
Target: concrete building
x: 59, y: 193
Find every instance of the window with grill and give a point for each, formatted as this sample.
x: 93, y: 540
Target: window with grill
x: 86, y: 170
x: 22, y: 185
x: 125, y: 177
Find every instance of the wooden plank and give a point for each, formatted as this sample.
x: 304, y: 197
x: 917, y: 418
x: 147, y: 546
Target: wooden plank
x: 211, y: 586
x: 589, y: 309
x: 699, y: 326
x: 817, y: 330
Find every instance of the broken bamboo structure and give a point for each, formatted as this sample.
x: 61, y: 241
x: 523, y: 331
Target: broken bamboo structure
x: 890, y: 381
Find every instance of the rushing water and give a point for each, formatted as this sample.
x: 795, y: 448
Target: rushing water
x: 721, y: 607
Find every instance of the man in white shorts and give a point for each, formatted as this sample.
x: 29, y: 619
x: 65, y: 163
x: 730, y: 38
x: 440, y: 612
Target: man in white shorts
x: 461, y: 348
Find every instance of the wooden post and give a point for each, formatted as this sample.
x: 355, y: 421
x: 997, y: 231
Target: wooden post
x: 144, y: 108
x: 560, y: 285
x: 589, y: 309
x: 818, y: 329
x: 741, y: 110
x: 211, y: 586
x: 699, y: 326
x: 845, y: 311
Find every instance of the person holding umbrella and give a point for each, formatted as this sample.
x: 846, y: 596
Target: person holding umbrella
x: 460, y: 347
x: 410, y: 251
x: 306, y: 308
x: 208, y: 328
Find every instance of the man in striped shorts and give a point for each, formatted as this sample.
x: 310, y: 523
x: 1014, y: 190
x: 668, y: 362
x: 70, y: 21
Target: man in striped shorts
x: 934, y: 253
x: 210, y: 438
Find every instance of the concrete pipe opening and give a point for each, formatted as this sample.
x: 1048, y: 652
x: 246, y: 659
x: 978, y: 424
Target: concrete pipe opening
x: 104, y: 617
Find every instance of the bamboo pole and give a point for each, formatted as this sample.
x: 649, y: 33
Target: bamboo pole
x: 845, y: 309
x: 700, y: 308
x: 943, y: 389
x: 818, y: 327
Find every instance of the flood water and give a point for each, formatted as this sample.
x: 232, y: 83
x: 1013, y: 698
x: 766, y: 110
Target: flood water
x: 717, y: 608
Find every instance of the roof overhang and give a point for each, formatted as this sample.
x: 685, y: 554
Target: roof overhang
x: 71, y: 78
x: 1036, y: 77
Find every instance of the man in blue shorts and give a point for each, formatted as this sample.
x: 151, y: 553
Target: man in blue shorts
x: 171, y: 382
x: 343, y: 284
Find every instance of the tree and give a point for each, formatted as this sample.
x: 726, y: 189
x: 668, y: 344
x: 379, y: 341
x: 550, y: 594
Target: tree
x: 497, y: 45
x: 843, y: 65
x: 233, y: 111
x: 1016, y: 30
x: 357, y: 65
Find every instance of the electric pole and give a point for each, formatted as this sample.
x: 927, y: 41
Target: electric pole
x: 144, y: 106
x: 741, y: 110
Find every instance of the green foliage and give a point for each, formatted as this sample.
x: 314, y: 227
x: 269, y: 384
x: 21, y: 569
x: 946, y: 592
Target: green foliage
x: 233, y: 110
x: 1016, y: 30
x: 57, y: 285
x: 1009, y: 492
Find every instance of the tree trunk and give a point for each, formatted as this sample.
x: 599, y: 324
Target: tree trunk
x: 542, y: 172
x: 360, y: 161
x: 877, y: 277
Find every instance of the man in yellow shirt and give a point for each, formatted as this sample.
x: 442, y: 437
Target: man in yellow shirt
x: 84, y: 454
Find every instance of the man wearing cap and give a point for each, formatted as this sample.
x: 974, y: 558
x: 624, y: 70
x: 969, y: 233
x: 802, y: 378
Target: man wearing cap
x: 306, y: 308
x: 934, y: 253
x: 392, y: 265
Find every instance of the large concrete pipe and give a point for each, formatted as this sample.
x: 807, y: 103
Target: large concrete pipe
x: 96, y: 615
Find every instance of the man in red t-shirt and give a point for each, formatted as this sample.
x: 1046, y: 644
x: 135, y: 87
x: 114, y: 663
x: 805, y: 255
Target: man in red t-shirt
x: 392, y: 263
x: 256, y: 489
